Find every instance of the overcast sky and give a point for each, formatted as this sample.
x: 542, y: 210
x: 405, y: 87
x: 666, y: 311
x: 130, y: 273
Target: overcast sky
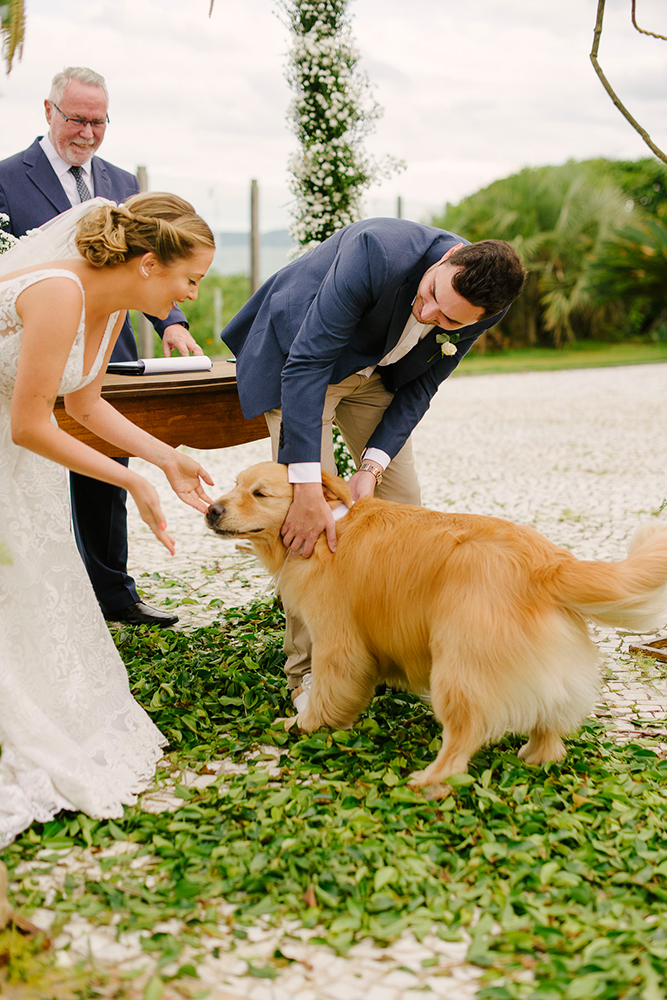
x: 471, y: 91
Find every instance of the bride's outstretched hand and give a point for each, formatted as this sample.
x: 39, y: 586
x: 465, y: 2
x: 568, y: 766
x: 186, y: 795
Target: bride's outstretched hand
x: 148, y: 503
x: 185, y: 476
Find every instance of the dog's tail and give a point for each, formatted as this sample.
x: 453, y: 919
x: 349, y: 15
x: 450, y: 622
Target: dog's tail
x: 630, y: 594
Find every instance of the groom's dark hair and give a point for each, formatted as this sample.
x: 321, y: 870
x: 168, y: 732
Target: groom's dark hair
x: 491, y: 275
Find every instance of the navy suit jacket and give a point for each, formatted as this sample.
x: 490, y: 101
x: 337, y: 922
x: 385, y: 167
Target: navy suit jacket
x: 337, y: 309
x: 31, y: 194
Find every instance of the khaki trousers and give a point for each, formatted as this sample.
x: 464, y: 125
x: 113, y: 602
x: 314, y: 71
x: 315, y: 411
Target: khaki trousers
x: 355, y: 406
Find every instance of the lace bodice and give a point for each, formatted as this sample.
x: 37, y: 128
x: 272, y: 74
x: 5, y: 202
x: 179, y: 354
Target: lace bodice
x: 11, y: 331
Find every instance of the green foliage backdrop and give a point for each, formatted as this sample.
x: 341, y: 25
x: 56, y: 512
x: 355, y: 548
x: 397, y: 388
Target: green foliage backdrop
x: 200, y: 314
x: 593, y: 235
x: 577, y: 227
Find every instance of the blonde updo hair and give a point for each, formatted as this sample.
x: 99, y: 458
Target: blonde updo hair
x: 158, y: 223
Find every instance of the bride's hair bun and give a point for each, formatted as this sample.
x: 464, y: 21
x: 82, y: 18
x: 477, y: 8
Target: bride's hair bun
x: 158, y: 223
x: 100, y: 236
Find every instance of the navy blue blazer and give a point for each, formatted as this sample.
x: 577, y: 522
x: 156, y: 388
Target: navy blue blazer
x: 31, y: 194
x: 337, y: 309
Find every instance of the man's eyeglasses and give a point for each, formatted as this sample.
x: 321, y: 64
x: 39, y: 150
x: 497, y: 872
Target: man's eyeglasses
x: 82, y: 122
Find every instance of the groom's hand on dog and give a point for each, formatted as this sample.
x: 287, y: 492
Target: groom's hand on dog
x: 308, y: 516
x: 362, y: 484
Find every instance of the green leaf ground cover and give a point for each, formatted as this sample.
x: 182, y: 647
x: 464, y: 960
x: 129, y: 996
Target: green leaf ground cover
x: 558, y: 873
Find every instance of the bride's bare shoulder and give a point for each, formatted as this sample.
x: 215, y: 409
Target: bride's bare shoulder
x: 59, y: 295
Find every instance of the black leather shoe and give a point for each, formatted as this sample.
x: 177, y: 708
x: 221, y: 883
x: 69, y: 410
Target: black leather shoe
x: 142, y: 614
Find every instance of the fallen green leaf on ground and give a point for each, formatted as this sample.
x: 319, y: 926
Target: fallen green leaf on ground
x: 557, y: 873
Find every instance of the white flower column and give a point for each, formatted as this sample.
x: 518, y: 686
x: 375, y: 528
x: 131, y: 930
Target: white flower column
x: 331, y: 112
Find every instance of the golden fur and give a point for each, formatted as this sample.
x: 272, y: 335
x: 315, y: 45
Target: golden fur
x: 487, y: 616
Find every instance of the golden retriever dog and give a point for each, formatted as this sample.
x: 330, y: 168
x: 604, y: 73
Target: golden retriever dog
x: 487, y: 616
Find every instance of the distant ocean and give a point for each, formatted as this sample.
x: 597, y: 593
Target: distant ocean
x: 232, y: 253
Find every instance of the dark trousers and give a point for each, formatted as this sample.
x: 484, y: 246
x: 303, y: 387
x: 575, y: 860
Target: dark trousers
x: 99, y: 516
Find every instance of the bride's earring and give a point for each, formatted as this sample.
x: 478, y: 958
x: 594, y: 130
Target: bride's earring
x: 144, y: 272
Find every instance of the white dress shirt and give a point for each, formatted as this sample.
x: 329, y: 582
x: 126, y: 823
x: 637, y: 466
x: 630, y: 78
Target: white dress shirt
x: 63, y: 172
x: 413, y: 332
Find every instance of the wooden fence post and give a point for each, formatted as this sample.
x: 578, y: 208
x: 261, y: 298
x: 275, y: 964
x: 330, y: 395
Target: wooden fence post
x: 146, y: 339
x: 255, y: 280
x: 217, y: 313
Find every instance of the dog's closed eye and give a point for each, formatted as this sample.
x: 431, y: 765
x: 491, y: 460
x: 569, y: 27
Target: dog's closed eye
x: 259, y: 493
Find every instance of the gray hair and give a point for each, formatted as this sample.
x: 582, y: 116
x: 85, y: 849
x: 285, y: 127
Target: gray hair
x: 80, y: 73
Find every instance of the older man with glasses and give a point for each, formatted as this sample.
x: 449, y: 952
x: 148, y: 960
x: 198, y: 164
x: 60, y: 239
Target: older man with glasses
x: 57, y: 171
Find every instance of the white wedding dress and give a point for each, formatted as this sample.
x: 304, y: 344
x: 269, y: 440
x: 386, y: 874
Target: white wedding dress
x: 72, y: 735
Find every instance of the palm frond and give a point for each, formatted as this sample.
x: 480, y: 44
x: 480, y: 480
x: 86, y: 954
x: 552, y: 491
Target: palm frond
x: 12, y: 27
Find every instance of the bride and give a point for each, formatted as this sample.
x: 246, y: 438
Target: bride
x: 71, y: 735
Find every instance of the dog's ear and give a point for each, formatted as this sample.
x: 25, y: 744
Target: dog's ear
x: 336, y: 489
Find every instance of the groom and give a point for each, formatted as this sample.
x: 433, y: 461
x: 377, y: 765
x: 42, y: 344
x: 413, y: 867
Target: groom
x: 360, y: 332
x: 60, y: 170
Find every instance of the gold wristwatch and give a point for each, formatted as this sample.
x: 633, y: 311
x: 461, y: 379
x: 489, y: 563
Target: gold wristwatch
x: 367, y: 466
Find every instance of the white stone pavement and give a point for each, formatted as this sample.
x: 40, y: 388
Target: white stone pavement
x: 579, y: 455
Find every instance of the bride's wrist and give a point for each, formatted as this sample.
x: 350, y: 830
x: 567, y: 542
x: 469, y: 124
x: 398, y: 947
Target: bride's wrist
x: 163, y: 456
x: 134, y: 481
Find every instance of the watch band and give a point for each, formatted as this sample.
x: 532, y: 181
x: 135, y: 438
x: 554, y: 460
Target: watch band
x: 368, y: 466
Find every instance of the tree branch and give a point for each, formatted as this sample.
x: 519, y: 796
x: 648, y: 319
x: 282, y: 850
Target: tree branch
x: 610, y: 90
x: 642, y: 31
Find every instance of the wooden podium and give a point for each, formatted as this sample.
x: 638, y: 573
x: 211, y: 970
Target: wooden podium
x: 198, y: 409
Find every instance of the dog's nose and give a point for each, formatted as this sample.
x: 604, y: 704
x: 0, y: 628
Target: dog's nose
x: 215, y: 511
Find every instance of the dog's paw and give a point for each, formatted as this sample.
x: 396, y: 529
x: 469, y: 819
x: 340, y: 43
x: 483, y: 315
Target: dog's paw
x: 542, y: 753
x: 437, y: 791
x: 419, y: 781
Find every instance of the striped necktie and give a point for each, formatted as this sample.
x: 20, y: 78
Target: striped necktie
x: 81, y: 187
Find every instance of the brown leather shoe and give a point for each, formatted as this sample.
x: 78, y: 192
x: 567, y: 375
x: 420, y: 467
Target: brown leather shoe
x: 142, y: 614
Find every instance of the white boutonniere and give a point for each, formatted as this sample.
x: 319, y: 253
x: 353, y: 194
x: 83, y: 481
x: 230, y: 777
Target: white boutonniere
x: 448, y: 342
